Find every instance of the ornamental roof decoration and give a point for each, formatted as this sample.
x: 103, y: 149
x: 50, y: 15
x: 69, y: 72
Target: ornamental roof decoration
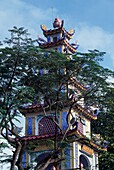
x: 58, y: 27
x: 62, y: 38
x: 85, y: 112
x: 57, y: 23
x: 44, y: 28
x: 78, y: 85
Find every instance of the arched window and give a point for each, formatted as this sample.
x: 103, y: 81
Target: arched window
x: 84, y: 163
x: 44, y: 156
x: 46, y: 126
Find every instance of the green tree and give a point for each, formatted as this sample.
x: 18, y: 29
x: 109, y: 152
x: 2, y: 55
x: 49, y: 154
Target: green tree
x: 15, y: 54
x: 104, y: 126
x: 22, y: 81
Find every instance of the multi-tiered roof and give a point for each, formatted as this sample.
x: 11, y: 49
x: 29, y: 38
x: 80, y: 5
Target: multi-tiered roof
x: 61, y: 39
x: 58, y: 39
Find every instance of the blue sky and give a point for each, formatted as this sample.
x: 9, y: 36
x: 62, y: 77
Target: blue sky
x: 93, y: 21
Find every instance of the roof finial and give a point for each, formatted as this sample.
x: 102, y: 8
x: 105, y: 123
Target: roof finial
x: 57, y: 23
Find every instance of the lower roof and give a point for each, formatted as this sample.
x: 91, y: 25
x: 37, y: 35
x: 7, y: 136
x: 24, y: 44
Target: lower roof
x: 72, y: 136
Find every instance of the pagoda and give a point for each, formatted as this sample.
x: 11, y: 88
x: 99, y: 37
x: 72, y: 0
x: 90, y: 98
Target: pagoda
x: 58, y: 38
x: 82, y: 152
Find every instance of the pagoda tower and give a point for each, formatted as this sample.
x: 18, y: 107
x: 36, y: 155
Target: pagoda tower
x: 82, y: 152
x: 58, y: 38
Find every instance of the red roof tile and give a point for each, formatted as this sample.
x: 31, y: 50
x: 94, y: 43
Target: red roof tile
x: 36, y: 137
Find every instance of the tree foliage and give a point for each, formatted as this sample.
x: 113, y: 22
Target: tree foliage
x: 15, y: 54
x: 31, y: 75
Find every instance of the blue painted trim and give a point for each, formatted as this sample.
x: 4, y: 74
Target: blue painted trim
x: 29, y: 130
x: 64, y: 121
x: 24, y: 160
x: 48, y: 39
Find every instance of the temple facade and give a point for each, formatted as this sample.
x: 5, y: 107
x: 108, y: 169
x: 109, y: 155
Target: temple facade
x: 81, y: 152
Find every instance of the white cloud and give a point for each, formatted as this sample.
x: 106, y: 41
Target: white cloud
x: 93, y: 37
x: 18, y: 13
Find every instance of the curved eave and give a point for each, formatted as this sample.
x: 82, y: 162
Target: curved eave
x: 71, y: 48
x: 36, y: 137
x: 69, y: 34
x: 79, y: 137
x: 31, y: 109
x: 85, y: 112
x: 57, y: 43
x: 72, y: 135
x: 38, y: 107
x: 51, y: 32
x: 51, y: 44
x: 78, y: 85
